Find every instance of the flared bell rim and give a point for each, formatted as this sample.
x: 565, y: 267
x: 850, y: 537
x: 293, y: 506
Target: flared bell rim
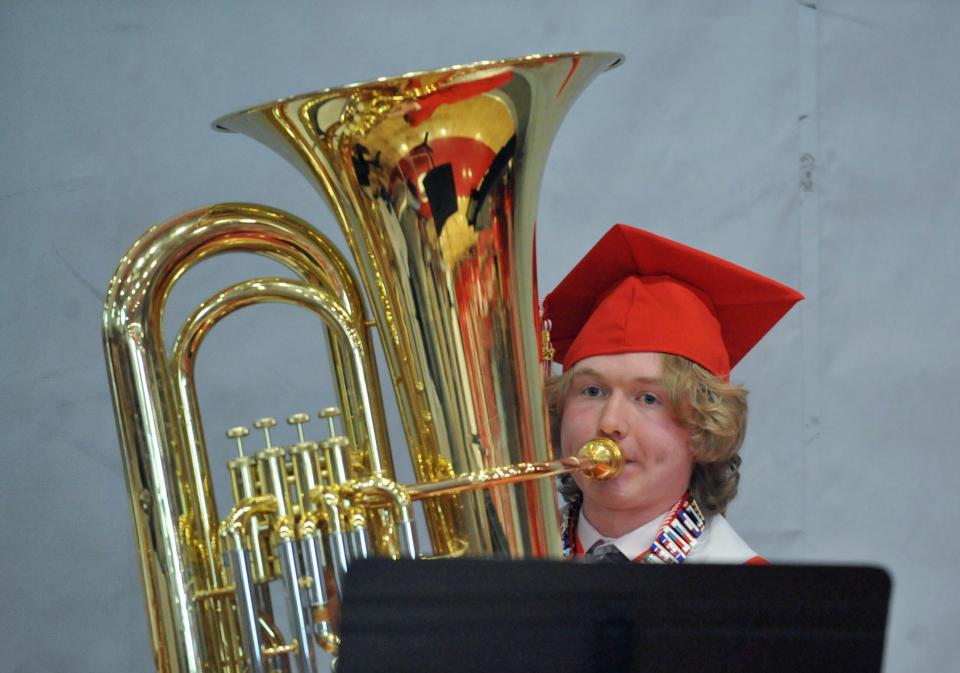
x: 615, y: 59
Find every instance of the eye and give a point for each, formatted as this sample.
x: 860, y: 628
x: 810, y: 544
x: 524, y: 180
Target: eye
x: 592, y: 391
x: 649, y: 399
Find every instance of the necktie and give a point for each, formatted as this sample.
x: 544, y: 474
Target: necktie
x: 605, y: 552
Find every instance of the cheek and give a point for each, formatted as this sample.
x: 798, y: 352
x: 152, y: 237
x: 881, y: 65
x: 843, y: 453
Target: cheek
x: 575, y: 429
x: 674, y: 443
x: 565, y: 434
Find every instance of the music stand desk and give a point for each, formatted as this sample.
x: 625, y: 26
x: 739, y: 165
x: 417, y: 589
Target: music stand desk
x: 481, y: 616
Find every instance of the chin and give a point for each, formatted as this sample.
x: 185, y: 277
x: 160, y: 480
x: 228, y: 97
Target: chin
x: 612, y: 496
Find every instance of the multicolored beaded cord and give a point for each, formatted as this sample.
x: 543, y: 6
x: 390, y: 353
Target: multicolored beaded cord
x: 568, y: 525
x: 677, y: 536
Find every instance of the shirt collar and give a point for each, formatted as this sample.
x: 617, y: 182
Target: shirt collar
x: 632, y: 544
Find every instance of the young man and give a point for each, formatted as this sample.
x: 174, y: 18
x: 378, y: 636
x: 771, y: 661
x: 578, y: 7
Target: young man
x: 647, y: 331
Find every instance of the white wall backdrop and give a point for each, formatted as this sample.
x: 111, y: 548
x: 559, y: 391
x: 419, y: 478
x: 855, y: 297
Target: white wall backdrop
x: 817, y: 145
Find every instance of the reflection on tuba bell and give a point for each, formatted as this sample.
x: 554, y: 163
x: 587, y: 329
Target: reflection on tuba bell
x: 434, y: 177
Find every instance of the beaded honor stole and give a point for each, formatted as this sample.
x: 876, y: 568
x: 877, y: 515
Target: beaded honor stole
x: 677, y: 536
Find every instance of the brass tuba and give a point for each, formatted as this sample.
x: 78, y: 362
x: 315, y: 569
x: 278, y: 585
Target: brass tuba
x: 434, y: 177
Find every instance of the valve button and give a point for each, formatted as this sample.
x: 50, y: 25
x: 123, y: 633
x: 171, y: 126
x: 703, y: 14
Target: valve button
x: 265, y: 424
x: 299, y: 419
x: 238, y: 433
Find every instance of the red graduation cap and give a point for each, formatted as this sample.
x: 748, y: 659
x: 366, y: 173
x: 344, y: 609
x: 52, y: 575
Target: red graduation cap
x: 636, y: 291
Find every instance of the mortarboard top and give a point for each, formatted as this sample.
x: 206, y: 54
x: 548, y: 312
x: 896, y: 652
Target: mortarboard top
x: 635, y: 291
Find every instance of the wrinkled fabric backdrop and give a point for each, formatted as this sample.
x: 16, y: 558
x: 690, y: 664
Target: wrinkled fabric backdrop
x: 816, y: 145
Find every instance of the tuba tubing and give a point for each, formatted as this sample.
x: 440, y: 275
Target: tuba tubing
x: 434, y: 178
x: 165, y: 459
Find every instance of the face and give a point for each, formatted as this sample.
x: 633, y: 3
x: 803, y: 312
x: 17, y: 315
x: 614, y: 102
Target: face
x: 621, y: 397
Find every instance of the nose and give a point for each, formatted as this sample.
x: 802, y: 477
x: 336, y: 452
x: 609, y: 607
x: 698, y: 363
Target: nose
x: 613, y: 418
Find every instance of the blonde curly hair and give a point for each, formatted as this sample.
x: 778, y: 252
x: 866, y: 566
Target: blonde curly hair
x: 714, y: 411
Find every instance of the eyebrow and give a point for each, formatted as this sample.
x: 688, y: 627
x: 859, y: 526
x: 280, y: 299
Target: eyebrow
x: 589, y: 371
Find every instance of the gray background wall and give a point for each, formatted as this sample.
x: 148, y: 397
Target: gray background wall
x: 815, y: 145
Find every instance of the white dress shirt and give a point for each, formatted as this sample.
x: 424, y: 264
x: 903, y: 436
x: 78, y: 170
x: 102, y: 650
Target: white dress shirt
x: 718, y: 543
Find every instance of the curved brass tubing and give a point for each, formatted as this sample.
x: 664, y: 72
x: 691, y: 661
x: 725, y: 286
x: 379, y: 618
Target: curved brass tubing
x: 434, y: 178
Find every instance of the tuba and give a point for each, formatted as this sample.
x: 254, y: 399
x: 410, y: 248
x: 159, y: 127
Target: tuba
x: 434, y: 178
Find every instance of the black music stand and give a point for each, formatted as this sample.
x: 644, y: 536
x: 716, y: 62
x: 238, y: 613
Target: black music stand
x: 472, y: 616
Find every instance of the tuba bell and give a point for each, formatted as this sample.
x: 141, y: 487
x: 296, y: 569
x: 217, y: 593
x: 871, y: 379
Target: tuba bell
x: 434, y: 179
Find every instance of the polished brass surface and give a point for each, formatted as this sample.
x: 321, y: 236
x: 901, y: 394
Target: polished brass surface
x: 606, y: 457
x: 599, y: 458
x: 434, y: 178
x: 176, y: 520
x: 452, y: 291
